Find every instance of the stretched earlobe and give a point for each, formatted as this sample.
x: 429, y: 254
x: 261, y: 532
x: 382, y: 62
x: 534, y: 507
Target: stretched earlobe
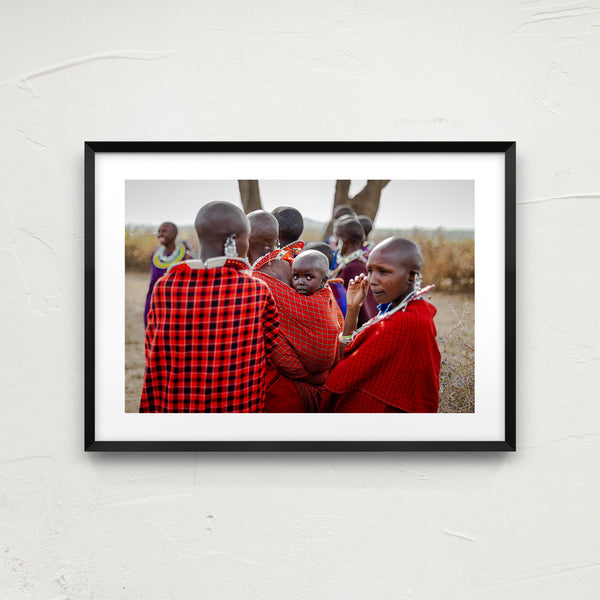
x: 230, y: 249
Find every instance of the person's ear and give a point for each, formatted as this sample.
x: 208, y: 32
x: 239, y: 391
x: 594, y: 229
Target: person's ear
x: 411, y: 276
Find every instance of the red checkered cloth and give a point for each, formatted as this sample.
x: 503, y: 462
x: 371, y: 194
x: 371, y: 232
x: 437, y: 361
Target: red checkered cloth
x: 311, y: 324
x: 395, y: 362
x: 210, y: 331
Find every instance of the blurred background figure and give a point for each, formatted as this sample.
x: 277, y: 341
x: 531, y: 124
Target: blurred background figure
x: 169, y: 252
x: 291, y: 224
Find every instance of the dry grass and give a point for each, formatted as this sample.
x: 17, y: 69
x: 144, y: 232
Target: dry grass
x: 456, y: 339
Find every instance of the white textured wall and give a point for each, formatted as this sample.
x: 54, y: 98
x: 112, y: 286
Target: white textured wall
x: 406, y: 526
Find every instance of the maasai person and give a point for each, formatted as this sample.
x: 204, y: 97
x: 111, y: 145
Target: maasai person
x: 309, y: 272
x: 168, y: 253
x: 264, y: 234
x: 339, y: 211
x: 336, y: 285
x: 352, y: 261
x: 310, y: 321
x: 367, y: 225
x: 343, y: 209
x: 291, y: 224
x: 391, y: 364
x: 212, y: 326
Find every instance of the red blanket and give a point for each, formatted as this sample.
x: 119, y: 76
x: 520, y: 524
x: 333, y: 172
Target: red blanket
x: 311, y: 324
x: 395, y: 362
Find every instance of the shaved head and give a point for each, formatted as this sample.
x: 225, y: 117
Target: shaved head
x: 264, y: 232
x: 367, y: 224
x: 314, y: 259
x: 171, y: 225
x: 342, y: 209
x: 402, y: 251
x: 321, y: 247
x: 309, y: 272
x: 349, y: 228
x: 215, y: 222
x: 291, y: 224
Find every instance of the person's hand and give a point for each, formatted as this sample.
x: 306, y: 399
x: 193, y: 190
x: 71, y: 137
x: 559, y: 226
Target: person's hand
x: 357, y: 291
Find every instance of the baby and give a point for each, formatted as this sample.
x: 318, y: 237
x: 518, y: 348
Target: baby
x: 309, y: 272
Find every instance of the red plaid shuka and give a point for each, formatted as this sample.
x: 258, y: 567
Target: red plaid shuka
x: 209, y: 333
x: 311, y: 324
x: 393, y: 364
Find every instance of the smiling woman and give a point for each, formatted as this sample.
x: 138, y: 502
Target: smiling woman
x: 166, y: 254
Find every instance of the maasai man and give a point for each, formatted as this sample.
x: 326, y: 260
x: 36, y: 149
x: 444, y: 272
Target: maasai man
x: 165, y: 255
x: 291, y: 224
x: 352, y: 260
x: 264, y: 234
x: 211, y: 326
x: 392, y: 364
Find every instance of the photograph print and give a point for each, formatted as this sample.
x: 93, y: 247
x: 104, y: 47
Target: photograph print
x: 292, y: 310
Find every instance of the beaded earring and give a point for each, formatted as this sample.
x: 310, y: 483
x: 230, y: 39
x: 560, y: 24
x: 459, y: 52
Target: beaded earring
x: 230, y: 249
x: 417, y: 284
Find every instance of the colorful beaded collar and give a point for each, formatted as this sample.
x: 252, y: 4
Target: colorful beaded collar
x: 164, y: 261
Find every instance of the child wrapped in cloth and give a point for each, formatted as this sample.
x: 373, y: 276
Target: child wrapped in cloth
x: 309, y: 319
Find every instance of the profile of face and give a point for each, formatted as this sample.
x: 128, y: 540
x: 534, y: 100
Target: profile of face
x: 166, y: 234
x: 390, y: 275
x: 339, y: 240
x: 309, y: 273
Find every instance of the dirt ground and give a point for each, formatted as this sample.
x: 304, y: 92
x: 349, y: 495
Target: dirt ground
x: 454, y: 322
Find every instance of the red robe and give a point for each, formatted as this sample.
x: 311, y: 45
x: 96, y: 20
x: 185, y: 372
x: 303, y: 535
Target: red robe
x: 391, y: 365
x: 311, y: 324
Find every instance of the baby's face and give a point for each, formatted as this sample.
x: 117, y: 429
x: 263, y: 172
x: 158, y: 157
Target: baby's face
x: 307, y: 276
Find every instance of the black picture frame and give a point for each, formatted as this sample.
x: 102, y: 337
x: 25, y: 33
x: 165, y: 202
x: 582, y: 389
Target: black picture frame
x: 506, y: 148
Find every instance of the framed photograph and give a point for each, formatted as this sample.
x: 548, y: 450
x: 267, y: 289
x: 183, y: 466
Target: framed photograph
x: 367, y: 303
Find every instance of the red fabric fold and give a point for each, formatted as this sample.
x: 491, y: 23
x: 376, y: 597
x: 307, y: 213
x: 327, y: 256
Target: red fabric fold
x: 395, y: 361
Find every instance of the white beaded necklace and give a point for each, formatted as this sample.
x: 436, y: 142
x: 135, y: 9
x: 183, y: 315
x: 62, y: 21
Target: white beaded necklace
x: 414, y: 295
x: 357, y: 254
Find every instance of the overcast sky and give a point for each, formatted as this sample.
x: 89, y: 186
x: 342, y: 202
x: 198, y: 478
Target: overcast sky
x: 404, y: 203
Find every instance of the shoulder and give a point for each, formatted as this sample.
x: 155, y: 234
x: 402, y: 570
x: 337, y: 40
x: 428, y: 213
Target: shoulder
x: 418, y: 316
x: 355, y: 267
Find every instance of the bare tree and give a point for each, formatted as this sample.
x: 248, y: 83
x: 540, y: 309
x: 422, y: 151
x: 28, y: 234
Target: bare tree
x: 366, y: 202
x: 250, y: 194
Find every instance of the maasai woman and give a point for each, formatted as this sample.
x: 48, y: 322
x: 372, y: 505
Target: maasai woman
x: 352, y: 261
x: 168, y: 253
x: 392, y: 363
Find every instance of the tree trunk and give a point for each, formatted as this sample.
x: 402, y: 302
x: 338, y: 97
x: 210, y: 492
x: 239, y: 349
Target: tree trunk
x: 366, y: 202
x: 250, y: 194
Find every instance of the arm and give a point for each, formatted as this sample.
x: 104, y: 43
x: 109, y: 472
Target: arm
x: 355, y: 296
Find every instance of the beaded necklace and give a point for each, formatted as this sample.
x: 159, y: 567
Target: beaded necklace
x: 163, y: 260
x: 357, y: 254
x: 414, y: 295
